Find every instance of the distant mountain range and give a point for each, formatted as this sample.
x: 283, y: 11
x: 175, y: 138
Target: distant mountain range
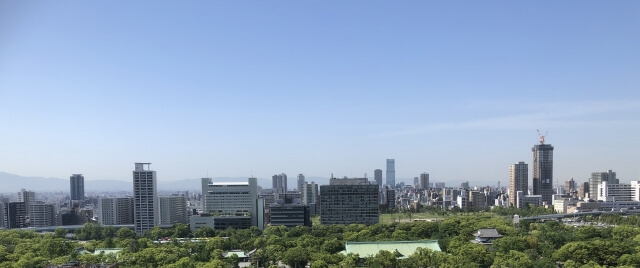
x: 11, y: 183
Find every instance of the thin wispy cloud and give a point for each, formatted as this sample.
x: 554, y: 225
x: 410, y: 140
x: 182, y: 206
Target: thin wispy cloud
x: 576, y: 114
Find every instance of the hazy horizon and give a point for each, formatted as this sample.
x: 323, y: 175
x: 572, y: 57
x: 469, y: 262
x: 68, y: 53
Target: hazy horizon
x: 226, y: 89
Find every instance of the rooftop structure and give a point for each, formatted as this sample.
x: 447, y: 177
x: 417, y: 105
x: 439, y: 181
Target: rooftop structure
x: 486, y: 236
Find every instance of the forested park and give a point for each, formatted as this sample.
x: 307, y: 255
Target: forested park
x: 611, y: 241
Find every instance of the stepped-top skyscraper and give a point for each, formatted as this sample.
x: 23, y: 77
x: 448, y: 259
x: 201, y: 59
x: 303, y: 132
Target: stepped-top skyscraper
x: 391, y: 172
x: 77, y: 187
x: 145, y: 198
x: 518, y: 180
x: 543, y: 170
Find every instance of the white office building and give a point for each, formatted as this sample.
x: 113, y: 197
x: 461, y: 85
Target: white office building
x: 41, y: 214
x: 233, y: 203
x: 610, y: 192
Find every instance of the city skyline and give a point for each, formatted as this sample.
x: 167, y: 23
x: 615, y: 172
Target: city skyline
x: 435, y: 86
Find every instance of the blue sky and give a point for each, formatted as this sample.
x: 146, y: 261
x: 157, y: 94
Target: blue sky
x: 235, y: 88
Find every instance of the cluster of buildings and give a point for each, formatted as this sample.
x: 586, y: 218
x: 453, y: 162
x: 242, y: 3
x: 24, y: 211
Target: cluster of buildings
x: 142, y: 211
x: 343, y: 201
x: 602, y: 191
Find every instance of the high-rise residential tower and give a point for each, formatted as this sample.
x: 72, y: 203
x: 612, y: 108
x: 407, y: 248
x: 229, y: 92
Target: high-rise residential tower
x: 377, y: 175
x: 279, y: 182
x: 145, y: 198
x: 518, y: 180
x: 424, y: 181
x: 597, y: 178
x: 391, y: 172
x: 310, y: 193
x: 543, y: 170
x: 300, y: 182
x: 77, y: 187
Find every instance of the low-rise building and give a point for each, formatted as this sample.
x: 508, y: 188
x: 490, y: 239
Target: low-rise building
x: 523, y: 201
x: 486, y: 236
x: 290, y: 215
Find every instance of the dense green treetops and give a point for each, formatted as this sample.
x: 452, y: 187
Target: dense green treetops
x: 526, y: 245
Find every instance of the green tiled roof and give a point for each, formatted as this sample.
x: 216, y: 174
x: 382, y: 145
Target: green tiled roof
x: 240, y: 253
x: 99, y: 251
x: 106, y: 251
x: 406, y: 248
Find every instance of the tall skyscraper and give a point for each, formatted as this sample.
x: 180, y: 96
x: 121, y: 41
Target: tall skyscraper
x: 145, y: 198
x: 518, y: 181
x: 416, y: 181
x: 597, y: 178
x: 424, y: 181
x: 300, y: 182
x: 279, y: 182
x: 391, y: 172
x: 543, y: 170
x: 377, y: 175
x: 77, y: 187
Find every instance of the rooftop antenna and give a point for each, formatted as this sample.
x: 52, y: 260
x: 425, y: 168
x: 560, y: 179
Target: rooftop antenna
x: 542, y: 136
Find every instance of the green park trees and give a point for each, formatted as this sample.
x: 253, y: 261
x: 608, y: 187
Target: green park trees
x: 524, y: 245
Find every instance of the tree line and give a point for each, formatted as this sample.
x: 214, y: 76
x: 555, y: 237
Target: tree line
x: 525, y: 245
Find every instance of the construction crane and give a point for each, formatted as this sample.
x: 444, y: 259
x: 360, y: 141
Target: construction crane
x: 542, y: 136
